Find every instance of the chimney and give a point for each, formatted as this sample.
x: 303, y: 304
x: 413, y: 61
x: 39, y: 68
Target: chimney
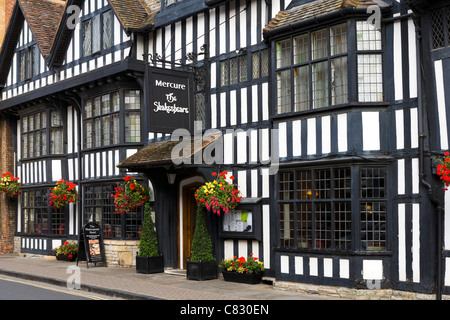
x: 6, y: 8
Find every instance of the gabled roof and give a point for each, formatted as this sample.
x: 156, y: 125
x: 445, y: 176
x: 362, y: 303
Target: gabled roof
x: 134, y: 15
x: 43, y: 18
x: 314, y: 10
x: 47, y: 20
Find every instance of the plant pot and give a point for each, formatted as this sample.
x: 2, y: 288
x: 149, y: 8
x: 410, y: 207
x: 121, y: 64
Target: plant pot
x: 149, y: 264
x: 247, y: 278
x: 65, y: 257
x: 201, y: 270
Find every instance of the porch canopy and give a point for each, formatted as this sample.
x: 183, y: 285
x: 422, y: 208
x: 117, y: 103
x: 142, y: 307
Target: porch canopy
x: 161, y: 154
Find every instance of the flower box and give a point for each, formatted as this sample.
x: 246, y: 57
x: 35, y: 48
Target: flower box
x: 149, y: 265
x: 201, y: 270
x: 247, y: 278
x: 66, y: 257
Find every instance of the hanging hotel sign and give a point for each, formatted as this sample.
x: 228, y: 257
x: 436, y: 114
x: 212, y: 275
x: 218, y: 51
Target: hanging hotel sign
x: 170, y: 100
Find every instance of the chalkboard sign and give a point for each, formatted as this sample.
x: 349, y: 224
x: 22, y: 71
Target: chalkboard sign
x: 90, y: 244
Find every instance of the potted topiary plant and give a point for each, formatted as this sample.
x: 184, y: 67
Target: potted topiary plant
x: 201, y: 265
x: 148, y: 259
x: 128, y: 197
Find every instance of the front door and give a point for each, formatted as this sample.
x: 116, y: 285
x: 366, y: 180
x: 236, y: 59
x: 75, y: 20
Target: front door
x: 187, y: 222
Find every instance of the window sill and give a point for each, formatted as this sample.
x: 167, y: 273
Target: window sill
x: 37, y: 158
x: 326, y: 110
x: 113, y: 146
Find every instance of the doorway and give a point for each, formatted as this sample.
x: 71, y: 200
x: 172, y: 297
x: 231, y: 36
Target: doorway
x: 186, y: 221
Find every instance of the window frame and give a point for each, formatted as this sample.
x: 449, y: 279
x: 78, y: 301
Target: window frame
x: 116, y: 137
x: 54, y: 219
x: 30, y: 63
x: 45, y: 134
x: 246, y: 69
x: 103, y: 206
x: 356, y: 200
x: 91, y: 19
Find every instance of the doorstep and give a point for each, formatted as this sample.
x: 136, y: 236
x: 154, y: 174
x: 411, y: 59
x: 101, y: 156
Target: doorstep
x: 176, y: 272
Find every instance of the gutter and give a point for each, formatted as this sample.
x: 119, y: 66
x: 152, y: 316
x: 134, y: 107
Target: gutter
x: 317, y: 19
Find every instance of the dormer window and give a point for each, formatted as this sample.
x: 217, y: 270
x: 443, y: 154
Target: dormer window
x: 312, y: 68
x: 97, y: 33
x: 28, y: 63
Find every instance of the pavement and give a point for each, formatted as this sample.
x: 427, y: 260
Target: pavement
x: 127, y: 284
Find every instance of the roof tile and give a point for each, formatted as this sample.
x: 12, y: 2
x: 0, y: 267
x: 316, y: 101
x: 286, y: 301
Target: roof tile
x: 43, y: 17
x: 313, y: 9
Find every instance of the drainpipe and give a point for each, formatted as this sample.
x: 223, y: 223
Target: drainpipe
x: 422, y: 135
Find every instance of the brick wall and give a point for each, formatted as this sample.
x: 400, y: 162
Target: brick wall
x: 7, y: 206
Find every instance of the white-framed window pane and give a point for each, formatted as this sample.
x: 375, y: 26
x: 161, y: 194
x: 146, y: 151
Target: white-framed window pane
x: 370, y: 78
x: 367, y: 36
x: 338, y: 39
x: 283, y: 53
x: 320, y: 84
x: 106, y: 104
x: 133, y: 127
x: 319, y: 40
x: 339, y: 81
x: 133, y: 99
x: 87, y: 37
x: 243, y: 68
x: 234, y: 70
x: 97, y: 132
x: 301, y: 88
x: 107, y: 29
x: 96, y: 34
x: 284, y: 91
x: 301, y: 49
x: 56, y: 141
x: 106, y: 131
x: 88, y: 134
x: 224, y: 69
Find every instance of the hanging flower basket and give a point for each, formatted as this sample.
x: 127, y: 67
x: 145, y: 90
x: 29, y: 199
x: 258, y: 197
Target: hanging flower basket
x: 10, y: 185
x: 219, y: 195
x: 130, y: 195
x: 62, y: 194
x: 443, y: 169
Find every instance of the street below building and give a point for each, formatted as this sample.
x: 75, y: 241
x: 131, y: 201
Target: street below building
x: 18, y: 289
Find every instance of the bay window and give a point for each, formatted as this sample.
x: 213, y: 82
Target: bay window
x: 312, y: 68
x: 97, y: 33
x: 37, y: 217
x: 99, y: 207
x: 42, y: 134
x: 102, y: 114
x: 324, y: 209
